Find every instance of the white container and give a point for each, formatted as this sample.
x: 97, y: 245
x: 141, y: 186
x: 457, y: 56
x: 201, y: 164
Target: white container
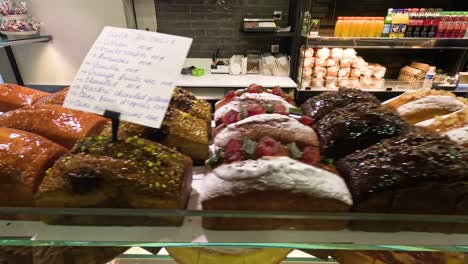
x: 429, y: 78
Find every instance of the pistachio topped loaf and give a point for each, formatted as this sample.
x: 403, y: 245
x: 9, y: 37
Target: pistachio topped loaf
x: 130, y: 173
x: 187, y: 102
x: 179, y: 130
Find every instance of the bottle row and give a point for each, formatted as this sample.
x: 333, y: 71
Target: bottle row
x: 408, y: 22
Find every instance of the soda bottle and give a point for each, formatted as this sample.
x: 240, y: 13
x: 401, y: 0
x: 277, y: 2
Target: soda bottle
x: 458, y: 24
x: 464, y: 31
x: 426, y: 23
x: 411, y: 23
x: 450, y: 25
x: 442, y: 25
x: 435, y: 21
x: 403, y: 23
x: 395, y: 23
x: 387, y: 24
x: 338, y: 27
x: 418, y: 23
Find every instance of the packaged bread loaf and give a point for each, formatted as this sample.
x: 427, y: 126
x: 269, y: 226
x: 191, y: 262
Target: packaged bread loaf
x: 344, y: 72
x: 330, y: 62
x: 345, y: 62
x: 344, y: 83
x: 332, y: 71
x: 379, y: 71
x: 331, y: 82
x: 318, y: 82
x: 349, y: 53
x: 320, y: 72
x: 309, y: 53
x: 355, y: 72
x: 309, y: 62
x: 355, y: 83
x: 320, y: 62
x: 337, y: 53
x: 323, y: 53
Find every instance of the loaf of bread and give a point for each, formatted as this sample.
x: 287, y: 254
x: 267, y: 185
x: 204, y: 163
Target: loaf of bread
x: 411, y: 174
x: 24, y: 157
x: 13, y: 96
x: 130, y: 173
x: 179, y: 130
x: 56, y: 98
x: 187, y: 102
x: 280, y: 127
x: 357, y: 126
x: 319, y: 106
x: 61, y: 125
x: 273, y: 184
x: 429, y: 107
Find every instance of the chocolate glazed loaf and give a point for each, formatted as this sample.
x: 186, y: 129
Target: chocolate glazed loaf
x: 413, y: 174
x: 357, y: 126
x: 319, y: 106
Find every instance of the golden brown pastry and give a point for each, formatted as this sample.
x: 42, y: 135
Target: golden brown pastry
x: 187, y: 102
x: 13, y: 96
x: 414, y: 95
x: 397, y: 257
x: 179, y: 130
x: 228, y: 255
x: 24, y: 157
x: 55, y: 98
x: 61, y: 125
x: 130, y: 173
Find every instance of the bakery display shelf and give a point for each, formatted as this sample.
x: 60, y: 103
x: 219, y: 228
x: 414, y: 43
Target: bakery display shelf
x: 388, y: 43
x: 24, y: 40
x: 191, y: 233
x: 281, y: 34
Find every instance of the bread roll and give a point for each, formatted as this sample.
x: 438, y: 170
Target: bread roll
x: 61, y: 125
x: 349, y: 53
x: 323, y: 53
x: 13, y: 96
x: 331, y: 62
x: 309, y: 62
x: 280, y: 127
x: 332, y: 71
x: 320, y: 72
x: 24, y: 159
x: 344, y: 72
x: 345, y: 62
x: 309, y: 53
x: 275, y: 184
x: 318, y: 82
x: 306, y: 72
x: 320, y: 62
x: 337, y: 53
x: 355, y: 72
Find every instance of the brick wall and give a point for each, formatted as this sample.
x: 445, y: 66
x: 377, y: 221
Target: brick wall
x: 214, y: 26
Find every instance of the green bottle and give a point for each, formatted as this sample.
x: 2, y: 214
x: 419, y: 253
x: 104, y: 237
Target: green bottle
x: 387, y: 24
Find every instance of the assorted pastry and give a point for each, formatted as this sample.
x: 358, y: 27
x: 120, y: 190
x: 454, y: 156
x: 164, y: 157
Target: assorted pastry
x: 340, y: 151
x: 51, y: 156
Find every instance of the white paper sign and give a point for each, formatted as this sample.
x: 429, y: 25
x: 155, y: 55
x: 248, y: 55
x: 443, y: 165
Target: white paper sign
x: 129, y: 71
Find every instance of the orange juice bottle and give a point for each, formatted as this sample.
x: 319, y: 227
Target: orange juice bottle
x: 369, y: 27
x: 339, y: 27
x: 359, y: 27
x: 380, y: 27
x: 346, y: 25
x: 350, y: 27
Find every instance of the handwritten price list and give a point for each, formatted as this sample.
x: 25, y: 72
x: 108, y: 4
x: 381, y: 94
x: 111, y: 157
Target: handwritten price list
x: 129, y: 71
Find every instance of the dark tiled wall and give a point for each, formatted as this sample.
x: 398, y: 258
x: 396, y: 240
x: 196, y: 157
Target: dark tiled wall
x: 214, y: 26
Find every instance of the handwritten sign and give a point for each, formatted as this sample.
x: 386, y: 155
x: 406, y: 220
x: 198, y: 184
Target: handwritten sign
x: 129, y: 71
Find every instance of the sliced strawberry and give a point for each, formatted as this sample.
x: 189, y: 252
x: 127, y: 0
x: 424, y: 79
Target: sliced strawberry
x: 255, y: 88
x: 231, y: 117
x: 267, y: 146
x: 276, y: 91
x: 282, y: 151
x: 311, y: 155
x: 281, y: 109
x: 232, y: 151
x: 307, y: 120
x: 255, y: 109
x: 230, y: 95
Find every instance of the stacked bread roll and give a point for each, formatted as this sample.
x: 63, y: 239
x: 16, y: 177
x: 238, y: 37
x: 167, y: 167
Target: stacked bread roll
x: 337, y: 67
